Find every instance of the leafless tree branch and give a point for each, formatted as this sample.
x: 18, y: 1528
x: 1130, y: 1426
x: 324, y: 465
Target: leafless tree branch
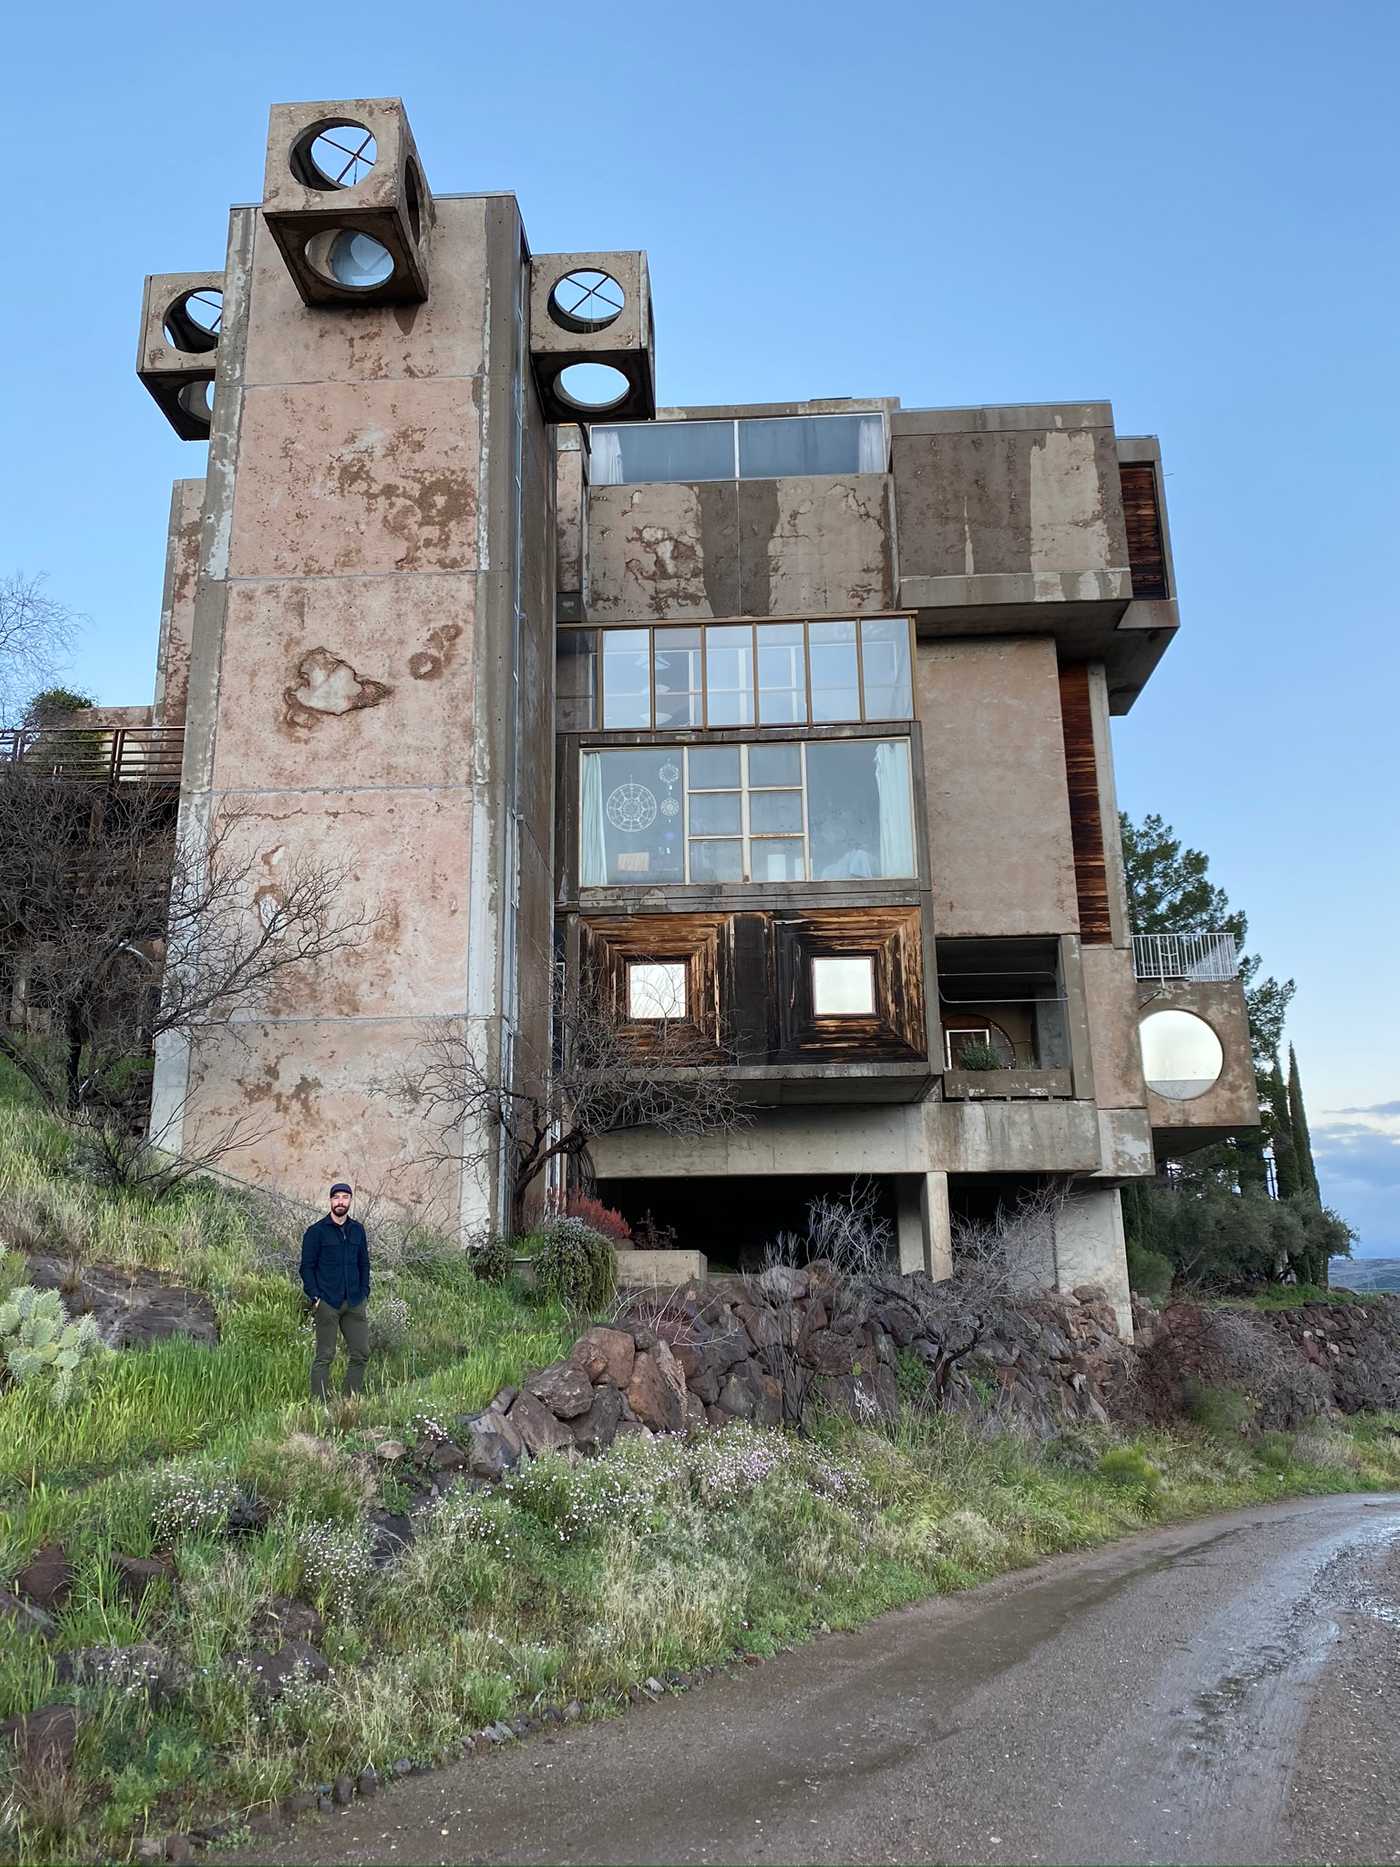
x: 37, y: 633
x: 609, y: 1075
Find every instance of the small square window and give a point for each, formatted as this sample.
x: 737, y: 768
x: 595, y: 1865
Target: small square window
x: 844, y: 988
x: 656, y: 989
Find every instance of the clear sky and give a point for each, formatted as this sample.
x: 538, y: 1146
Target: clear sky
x: 1188, y: 209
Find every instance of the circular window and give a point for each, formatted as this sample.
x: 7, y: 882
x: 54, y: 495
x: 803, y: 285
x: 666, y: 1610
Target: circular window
x: 592, y: 387
x: 349, y: 258
x: 197, y: 399
x: 586, y: 301
x: 334, y: 155
x: 192, y: 322
x: 1181, y: 1055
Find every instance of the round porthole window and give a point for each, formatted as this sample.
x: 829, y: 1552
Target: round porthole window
x: 192, y: 322
x: 1181, y: 1054
x: 197, y: 400
x: 592, y: 388
x: 356, y: 260
x: 586, y: 301
x: 334, y: 155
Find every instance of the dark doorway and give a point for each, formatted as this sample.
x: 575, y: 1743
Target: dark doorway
x: 733, y: 1218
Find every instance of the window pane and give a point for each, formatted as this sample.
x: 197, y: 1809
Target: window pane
x: 717, y: 862
x: 576, y: 680
x: 714, y: 768
x: 774, y: 446
x: 664, y: 450
x: 626, y: 677
x: 782, y: 674
x: 777, y: 859
x: 844, y: 987
x: 676, y: 654
x: 775, y: 764
x: 630, y: 817
x: 714, y: 813
x: 859, y: 808
x: 771, y: 811
x: 835, y: 687
x: 884, y: 653
x: 656, y: 989
x: 729, y: 676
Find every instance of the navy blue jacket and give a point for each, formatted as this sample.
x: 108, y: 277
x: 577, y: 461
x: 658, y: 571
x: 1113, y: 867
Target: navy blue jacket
x: 335, y: 1262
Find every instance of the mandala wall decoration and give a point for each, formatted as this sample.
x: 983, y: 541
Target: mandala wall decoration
x: 631, y: 808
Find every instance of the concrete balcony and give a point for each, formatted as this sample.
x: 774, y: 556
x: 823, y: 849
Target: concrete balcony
x: 1193, y: 1029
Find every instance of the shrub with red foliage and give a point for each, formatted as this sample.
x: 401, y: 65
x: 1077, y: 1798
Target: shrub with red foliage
x: 594, y: 1214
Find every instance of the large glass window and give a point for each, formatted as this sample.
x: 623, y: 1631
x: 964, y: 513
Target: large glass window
x: 751, y: 448
x: 782, y: 811
x: 769, y: 450
x: 739, y: 674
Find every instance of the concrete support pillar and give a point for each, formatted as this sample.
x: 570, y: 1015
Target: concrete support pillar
x: 1089, y: 1248
x: 925, y: 1229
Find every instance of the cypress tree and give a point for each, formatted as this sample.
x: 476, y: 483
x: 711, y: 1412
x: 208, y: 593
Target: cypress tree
x: 1281, y: 1135
x: 1298, y: 1122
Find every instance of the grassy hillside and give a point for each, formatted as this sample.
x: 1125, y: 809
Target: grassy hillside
x: 570, y: 1582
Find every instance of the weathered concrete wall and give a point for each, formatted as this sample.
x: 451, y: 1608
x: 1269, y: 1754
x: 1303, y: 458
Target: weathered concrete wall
x: 789, y: 547
x: 1233, y: 1102
x: 1111, y: 996
x: 1029, y: 491
x: 1090, y: 1248
x: 177, y: 603
x: 361, y: 687
x: 571, y: 524
x: 927, y: 1137
x: 994, y: 770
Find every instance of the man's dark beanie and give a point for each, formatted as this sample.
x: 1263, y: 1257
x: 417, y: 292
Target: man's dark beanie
x: 342, y: 1187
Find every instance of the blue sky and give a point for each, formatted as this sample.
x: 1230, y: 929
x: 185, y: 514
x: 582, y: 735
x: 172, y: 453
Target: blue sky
x: 1185, y: 209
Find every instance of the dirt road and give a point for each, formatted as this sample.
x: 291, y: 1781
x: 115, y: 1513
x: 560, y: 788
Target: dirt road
x: 1225, y: 1691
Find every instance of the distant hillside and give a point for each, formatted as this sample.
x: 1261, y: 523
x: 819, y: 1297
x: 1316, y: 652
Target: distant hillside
x: 1366, y: 1273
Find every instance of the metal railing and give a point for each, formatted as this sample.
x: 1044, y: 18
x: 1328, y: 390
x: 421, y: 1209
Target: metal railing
x: 104, y: 754
x: 1186, y: 956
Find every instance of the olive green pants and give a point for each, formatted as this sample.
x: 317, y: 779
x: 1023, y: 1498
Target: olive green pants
x: 330, y: 1322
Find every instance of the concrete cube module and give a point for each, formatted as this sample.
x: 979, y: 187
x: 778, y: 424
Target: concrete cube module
x: 175, y: 355
x: 561, y: 336
x: 305, y: 204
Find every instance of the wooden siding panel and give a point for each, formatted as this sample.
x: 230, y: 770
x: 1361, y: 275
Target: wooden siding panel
x: 1085, y: 815
x: 1147, y: 555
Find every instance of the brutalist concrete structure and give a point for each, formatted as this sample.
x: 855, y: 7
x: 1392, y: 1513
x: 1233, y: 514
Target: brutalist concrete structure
x: 790, y: 722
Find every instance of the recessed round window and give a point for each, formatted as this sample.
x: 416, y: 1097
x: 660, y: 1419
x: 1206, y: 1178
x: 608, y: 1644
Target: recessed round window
x: 334, y: 155
x: 586, y: 301
x: 197, y: 399
x: 349, y: 258
x: 1181, y: 1054
x: 192, y: 322
x: 592, y: 387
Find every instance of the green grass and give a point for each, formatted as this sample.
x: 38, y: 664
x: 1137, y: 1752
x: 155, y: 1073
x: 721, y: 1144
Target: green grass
x: 569, y: 1581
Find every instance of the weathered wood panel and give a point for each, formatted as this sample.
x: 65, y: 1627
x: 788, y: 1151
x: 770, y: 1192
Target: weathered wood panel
x: 1085, y: 814
x: 1147, y: 555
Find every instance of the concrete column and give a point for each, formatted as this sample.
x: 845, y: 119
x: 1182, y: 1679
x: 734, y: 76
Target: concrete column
x: 925, y: 1229
x: 1089, y: 1248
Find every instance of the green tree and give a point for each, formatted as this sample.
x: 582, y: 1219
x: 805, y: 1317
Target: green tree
x: 1170, y: 891
x: 52, y: 705
x: 1298, y: 1122
x: 1279, y: 1129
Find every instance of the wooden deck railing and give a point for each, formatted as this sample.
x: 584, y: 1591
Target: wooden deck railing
x: 104, y: 754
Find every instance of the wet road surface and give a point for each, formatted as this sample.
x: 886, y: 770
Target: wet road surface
x: 1227, y: 1691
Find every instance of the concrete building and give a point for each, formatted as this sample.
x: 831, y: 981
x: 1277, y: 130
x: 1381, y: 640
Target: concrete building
x: 789, y: 721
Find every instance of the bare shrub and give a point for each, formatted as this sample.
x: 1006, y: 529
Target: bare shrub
x: 605, y: 1077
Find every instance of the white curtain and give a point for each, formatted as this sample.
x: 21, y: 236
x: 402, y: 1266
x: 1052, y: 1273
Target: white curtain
x: 896, y: 807
x: 872, y: 444
x: 606, y: 468
x: 593, y: 862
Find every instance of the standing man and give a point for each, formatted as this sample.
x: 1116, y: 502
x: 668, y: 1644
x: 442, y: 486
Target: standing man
x: 335, y: 1277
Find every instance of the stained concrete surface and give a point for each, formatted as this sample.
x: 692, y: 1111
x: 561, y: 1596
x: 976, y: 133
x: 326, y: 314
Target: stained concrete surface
x: 1191, y: 1695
